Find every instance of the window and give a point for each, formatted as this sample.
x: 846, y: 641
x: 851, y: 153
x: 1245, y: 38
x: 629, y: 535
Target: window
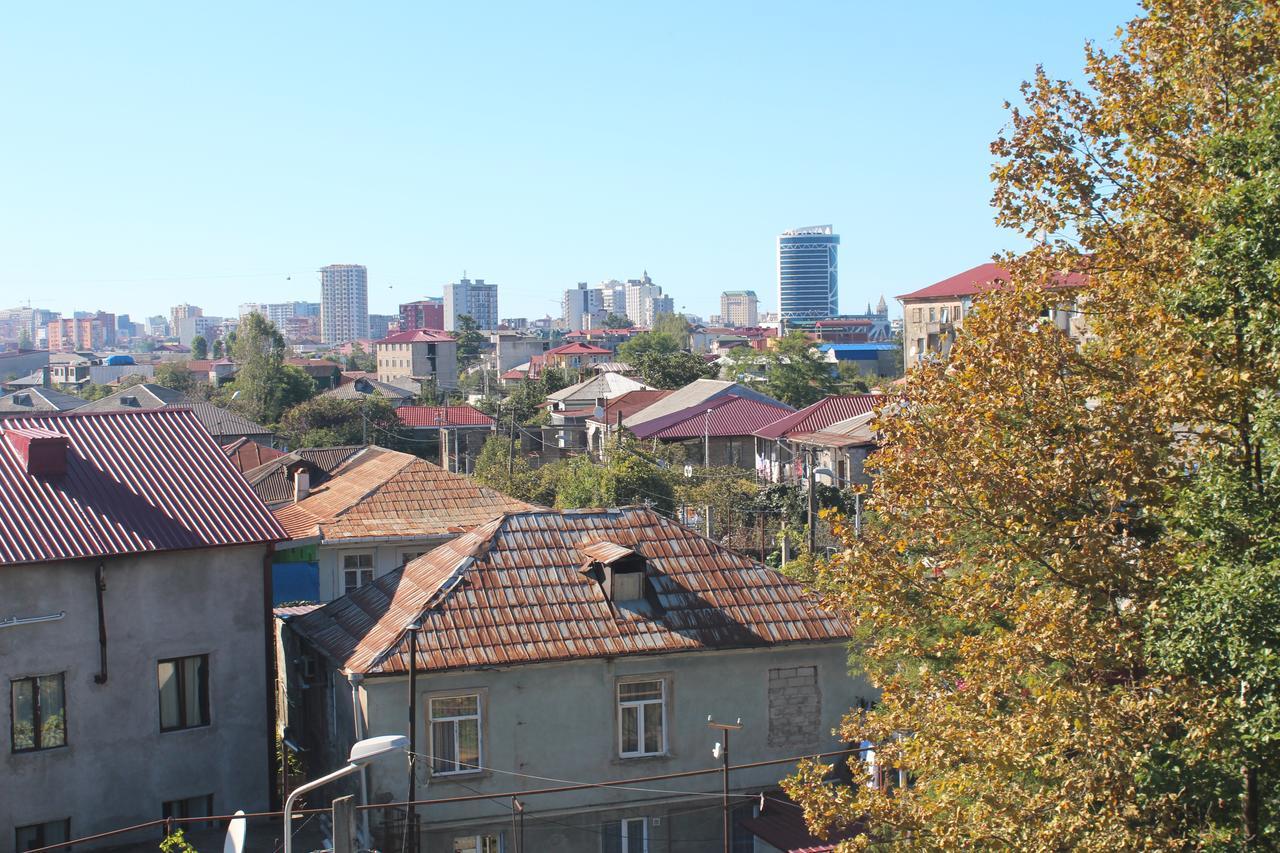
x: 933, y: 314
x: 409, y: 556
x: 357, y: 570
x: 946, y: 313
x: 642, y: 718
x: 39, y: 713
x: 626, y: 836
x: 628, y: 586
x: 37, y: 835
x: 201, y: 806
x: 455, y: 734
x: 184, y: 692
x: 478, y: 844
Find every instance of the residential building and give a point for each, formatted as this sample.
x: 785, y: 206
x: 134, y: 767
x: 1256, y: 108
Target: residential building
x: 841, y: 448
x: 199, y: 326
x: 380, y: 325
x: 344, y: 303
x: 738, y: 308
x: 224, y: 425
x: 157, y: 326
x: 514, y: 324
x: 421, y: 355
x: 613, y: 297
x: 401, y: 392
x: 70, y: 334
x: 778, y: 458
x: 605, y: 421
x: 38, y: 400
x: 455, y: 433
x: 273, y: 474
x: 645, y: 301
x: 696, y: 393
x: 178, y: 313
x: 473, y: 298
x: 426, y: 313
x: 808, y: 286
x: 594, y: 391
x: 376, y: 512
x: 581, y: 306
x: 574, y: 356
x: 326, y: 374
x: 582, y: 645
x: 247, y: 308
x: 873, y: 360
x: 718, y: 432
x: 512, y: 349
x: 135, y: 648
x: 932, y: 315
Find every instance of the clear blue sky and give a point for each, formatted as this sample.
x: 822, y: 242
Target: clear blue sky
x: 169, y: 152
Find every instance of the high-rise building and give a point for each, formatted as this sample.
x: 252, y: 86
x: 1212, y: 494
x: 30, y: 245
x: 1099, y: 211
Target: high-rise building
x: 475, y: 298
x: 644, y: 301
x: 379, y: 324
x: 344, y: 303
x: 158, y: 326
x: 808, y: 288
x: 613, y: 297
x: 739, y: 308
x: 178, y: 313
x: 581, y: 305
x: 76, y: 333
x: 426, y: 313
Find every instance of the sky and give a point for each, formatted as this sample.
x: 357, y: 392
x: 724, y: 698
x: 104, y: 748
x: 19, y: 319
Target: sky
x: 221, y: 153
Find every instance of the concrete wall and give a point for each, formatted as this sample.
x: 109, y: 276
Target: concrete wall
x: 387, y: 557
x: 118, y: 767
x: 560, y: 721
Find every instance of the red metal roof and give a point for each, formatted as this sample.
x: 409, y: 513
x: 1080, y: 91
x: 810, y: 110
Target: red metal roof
x: 628, y: 404
x: 729, y: 415
x: 578, y: 348
x: 247, y: 454
x: 136, y: 482
x: 982, y: 278
x: 512, y: 591
x: 822, y: 414
x: 442, y: 416
x: 418, y: 336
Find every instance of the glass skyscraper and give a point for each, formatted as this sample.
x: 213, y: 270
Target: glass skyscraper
x: 807, y: 282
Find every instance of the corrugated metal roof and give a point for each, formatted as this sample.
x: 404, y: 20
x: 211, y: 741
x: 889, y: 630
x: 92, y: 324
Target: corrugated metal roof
x: 601, y: 385
x: 247, y: 454
x: 695, y: 393
x: 852, y: 432
x: 511, y: 592
x: 419, y: 336
x: 149, y: 396
x: 723, y: 416
x: 384, y: 493
x: 364, y: 386
x: 136, y: 482
x: 273, y: 483
x: 628, y: 404
x: 982, y: 278
x: 822, y: 414
x: 578, y: 348
x: 446, y: 416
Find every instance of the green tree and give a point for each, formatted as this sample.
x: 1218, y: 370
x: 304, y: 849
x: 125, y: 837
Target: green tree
x: 674, y: 325
x: 97, y: 392
x: 361, y: 360
x: 510, y: 473
x: 793, y: 371
x: 328, y: 421
x: 660, y: 362
x: 24, y: 339
x: 264, y: 386
x: 218, y: 348
x: 618, y: 321
x: 199, y: 348
x: 175, y: 375
x: 626, y: 477
x: 470, y: 340
x: 850, y: 378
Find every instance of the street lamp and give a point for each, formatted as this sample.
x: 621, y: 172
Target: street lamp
x: 364, y: 752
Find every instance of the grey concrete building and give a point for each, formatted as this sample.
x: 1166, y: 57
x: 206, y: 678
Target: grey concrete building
x: 344, y: 303
x: 473, y: 298
x: 134, y: 644
x: 582, y: 645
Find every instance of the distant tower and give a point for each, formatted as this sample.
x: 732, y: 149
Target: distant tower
x: 344, y: 303
x: 882, y: 307
x: 808, y: 287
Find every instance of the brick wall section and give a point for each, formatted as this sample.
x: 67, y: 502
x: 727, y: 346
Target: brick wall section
x: 795, y: 706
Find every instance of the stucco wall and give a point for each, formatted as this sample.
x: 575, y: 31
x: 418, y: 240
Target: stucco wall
x: 560, y: 721
x: 118, y: 767
x: 387, y: 557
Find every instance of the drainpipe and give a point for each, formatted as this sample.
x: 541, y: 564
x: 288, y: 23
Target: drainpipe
x: 358, y: 725
x: 269, y: 650
x: 100, y: 586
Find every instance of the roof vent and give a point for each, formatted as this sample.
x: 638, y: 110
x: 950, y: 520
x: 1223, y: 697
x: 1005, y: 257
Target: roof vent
x: 22, y: 399
x: 129, y: 400
x: 43, y: 451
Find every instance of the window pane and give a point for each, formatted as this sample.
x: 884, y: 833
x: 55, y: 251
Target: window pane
x: 455, y: 706
x: 444, y: 748
x: 612, y: 837
x: 469, y: 744
x: 630, y: 729
x: 24, y: 714
x: 170, y: 710
x: 53, y: 718
x: 633, y: 690
x: 635, y: 836
x: 191, y: 671
x: 465, y: 845
x: 653, y: 727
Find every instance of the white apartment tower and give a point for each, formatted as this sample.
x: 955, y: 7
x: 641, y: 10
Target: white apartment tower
x: 475, y: 298
x: 344, y: 303
x: 581, y: 305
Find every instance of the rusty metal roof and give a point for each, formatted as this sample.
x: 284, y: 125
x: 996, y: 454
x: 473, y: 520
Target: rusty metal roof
x: 442, y: 416
x: 851, y: 432
x: 510, y: 592
x: 382, y: 493
x: 819, y: 415
x: 136, y: 482
x: 628, y: 404
x: 273, y: 481
x: 605, y: 551
x: 730, y: 415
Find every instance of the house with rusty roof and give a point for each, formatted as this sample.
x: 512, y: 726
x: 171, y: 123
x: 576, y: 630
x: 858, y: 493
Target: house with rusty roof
x: 456, y: 434
x: 134, y: 630
x: 274, y: 474
x: 375, y: 512
x: 573, y: 645
x: 780, y: 448
x: 607, y: 420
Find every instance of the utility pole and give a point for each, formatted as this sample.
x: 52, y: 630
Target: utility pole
x: 414, y: 627
x: 511, y: 450
x: 721, y: 751
x: 813, y: 528
x: 706, y: 439
x: 344, y: 823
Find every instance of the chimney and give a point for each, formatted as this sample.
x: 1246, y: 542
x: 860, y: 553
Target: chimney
x: 301, y: 484
x: 43, y: 451
x: 45, y: 379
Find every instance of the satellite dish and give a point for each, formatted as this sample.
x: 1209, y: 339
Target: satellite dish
x: 235, y: 834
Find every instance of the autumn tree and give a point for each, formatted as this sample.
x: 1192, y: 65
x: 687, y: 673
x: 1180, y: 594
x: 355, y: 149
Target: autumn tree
x: 1065, y: 588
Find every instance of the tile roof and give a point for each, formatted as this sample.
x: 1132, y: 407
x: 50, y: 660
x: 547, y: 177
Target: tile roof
x: 514, y: 591
x: 729, y: 415
x: 136, y: 482
x: 247, y: 454
x: 33, y: 400
x: 382, y: 493
x: 419, y: 336
x: 273, y: 482
x: 696, y: 393
x: 628, y: 403
x: 823, y: 413
x: 980, y: 279
x: 446, y: 416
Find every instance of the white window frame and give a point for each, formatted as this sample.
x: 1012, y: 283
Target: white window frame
x: 342, y: 569
x: 624, y: 836
x: 640, y: 706
x: 478, y: 716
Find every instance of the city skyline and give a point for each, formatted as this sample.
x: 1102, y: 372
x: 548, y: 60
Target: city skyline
x: 219, y: 182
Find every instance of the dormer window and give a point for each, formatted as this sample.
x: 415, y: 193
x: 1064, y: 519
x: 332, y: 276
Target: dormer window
x: 622, y: 573
x: 628, y: 586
